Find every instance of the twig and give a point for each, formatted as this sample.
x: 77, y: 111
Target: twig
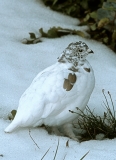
x: 56, y: 150
x: 84, y: 156
x: 45, y: 153
x: 67, y: 143
x: 33, y: 139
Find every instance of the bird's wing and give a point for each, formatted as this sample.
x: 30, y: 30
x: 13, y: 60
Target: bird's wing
x: 48, y: 91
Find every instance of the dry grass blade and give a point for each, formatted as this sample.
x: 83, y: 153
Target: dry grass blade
x: 105, y: 97
x: 84, y: 156
x: 33, y: 139
x: 45, y: 153
x: 64, y: 157
x: 56, y: 150
x: 112, y: 103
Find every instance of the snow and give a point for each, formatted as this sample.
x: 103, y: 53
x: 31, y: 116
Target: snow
x: 20, y: 63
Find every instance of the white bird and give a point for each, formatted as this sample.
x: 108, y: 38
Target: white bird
x: 64, y: 86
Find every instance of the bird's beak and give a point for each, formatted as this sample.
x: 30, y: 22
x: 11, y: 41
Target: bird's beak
x: 90, y: 51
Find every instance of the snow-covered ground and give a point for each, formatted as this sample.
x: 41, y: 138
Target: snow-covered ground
x: 20, y: 63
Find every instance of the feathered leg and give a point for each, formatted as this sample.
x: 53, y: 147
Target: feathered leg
x: 68, y: 130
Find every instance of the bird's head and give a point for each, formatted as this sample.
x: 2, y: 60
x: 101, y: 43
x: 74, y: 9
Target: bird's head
x: 74, y: 53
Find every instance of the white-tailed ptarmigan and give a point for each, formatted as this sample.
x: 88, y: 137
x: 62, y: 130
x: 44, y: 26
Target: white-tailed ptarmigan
x: 57, y: 89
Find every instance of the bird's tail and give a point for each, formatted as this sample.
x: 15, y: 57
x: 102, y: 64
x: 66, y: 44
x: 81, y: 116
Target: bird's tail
x: 11, y: 127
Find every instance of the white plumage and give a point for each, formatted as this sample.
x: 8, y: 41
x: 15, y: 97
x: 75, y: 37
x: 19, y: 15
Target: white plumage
x: 57, y: 89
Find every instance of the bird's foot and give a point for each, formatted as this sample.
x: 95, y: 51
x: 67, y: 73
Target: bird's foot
x: 56, y: 130
x: 53, y: 130
x: 69, y: 131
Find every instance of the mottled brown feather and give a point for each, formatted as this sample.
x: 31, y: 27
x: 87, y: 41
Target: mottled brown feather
x: 73, y: 69
x: 72, y: 78
x: 67, y: 85
x: 87, y: 69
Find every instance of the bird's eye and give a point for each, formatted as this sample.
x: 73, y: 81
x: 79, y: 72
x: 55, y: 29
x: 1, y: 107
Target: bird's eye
x: 80, y: 50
